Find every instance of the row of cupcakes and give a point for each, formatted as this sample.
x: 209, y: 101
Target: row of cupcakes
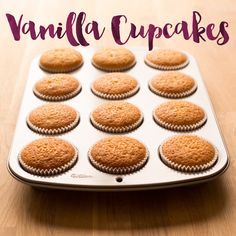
x: 116, y: 117
x: 114, y: 86
x: 117, y: 155
x: 110, y: 59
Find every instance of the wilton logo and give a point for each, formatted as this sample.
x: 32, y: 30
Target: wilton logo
x: 76, y: 30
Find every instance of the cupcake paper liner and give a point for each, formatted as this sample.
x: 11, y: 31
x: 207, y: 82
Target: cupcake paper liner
x: 182, y: 128
x: 113, y: 69
x: 161, y: 67
x: 186, y: 168
x: 67, y: 70
x: 115, y: 96
x: 118, y: 170
x: 116, y: 129
x: 57, y: 98
x: 54, y: 131
x: 49, y: 172
x: 173, y: 95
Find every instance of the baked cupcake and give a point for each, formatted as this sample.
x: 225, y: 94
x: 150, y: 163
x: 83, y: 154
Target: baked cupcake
x: 166, y: 59
x: 48, y: 156
x: 115, y: 86
x: 113, y: 59
x: 57, y: 87
x: 118, y: 155
x: 116, y: 117
x: 53, y: 119
x: 179, y: 116
x: 60, y: 60
x: 173, y: 84
x: 188, y: 153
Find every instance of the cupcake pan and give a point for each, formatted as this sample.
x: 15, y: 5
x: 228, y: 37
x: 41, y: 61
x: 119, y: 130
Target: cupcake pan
x: 83, y: 176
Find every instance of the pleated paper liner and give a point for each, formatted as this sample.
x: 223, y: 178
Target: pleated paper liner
x: 173, y: 95
x: 115, y: 96
x: 57, y: 98
x: 62, y: 70
x: 54, y: 131
x: 161, y: 67
x: 182, y: 128
x: 118, y: 170
x: 114, y: 69
x: 123, y: 129
x: 186, y: 168
x: 49, y: 172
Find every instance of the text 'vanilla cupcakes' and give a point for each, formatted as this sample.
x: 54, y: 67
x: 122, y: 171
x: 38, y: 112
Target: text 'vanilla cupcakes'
x: 118, y: 155
x: 53, y: 119
x: 57, y: 87
x: 188, y: 153
x: 115, y: 86
x: 113, y: 59
x: 116, y: 117
x: 48, y: 156
x: 172, y: 85
x: 166, y: 59
x: 179, y: 116
x: 60, y: 60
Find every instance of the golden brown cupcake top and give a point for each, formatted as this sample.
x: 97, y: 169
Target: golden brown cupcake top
x: 188, y: 150
x: 57, y: 85
x: 52, y: 116
x: 166, y: 57
x: 113, y: 59
x: 116, y: 114
x: 114, y: 83
x: 179, y: 113
x: 172, y: 83
x: 60, y: 60
x: 47, y: 153
x: 118, y: 151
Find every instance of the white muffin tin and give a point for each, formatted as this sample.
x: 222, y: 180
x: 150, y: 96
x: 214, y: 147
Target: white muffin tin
x: 83, y: 176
